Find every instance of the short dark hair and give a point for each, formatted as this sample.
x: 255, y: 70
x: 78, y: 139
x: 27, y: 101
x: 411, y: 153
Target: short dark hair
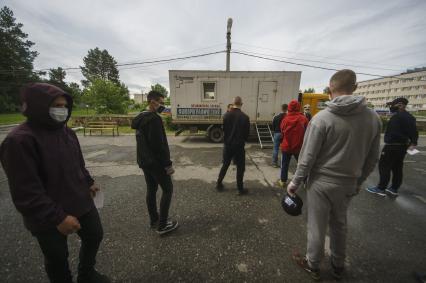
x: 284, y: 107
x: 154, y: 95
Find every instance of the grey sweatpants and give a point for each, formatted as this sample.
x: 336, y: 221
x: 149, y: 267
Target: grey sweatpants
x: 327, y: 206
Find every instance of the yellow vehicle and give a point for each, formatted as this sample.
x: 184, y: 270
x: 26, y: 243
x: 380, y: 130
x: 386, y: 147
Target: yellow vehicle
x: 315, y: 100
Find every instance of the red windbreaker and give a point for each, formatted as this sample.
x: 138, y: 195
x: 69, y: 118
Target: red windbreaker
x: 293, y: 128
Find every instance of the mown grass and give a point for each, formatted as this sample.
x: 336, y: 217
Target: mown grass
x: 11, y: 118
x: 16, y: 118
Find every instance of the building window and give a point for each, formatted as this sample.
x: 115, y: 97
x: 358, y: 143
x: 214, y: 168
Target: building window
x: 209, y: 91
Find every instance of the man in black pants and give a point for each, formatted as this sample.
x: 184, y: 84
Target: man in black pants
x: 153, y: 157
x: 236, y: 128
x: 276, y: 127
x: 50, y: 185
x: 401, y: 134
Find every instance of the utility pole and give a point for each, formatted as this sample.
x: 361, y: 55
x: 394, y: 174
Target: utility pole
x: 228, y: 44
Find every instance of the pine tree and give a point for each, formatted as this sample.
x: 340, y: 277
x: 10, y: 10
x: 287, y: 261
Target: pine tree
x: 16, y: 60
x: 99, y: 65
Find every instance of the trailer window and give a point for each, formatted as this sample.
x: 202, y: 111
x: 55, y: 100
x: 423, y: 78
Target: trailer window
x: 209, y: 91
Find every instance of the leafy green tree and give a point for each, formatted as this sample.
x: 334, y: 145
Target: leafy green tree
x: 98, y: 64
x: 326, y: 90
x: 16, y: 60
x: 161, y: 89
x: 107, y: 97
x: 57, y: 76
x: 76, y: 93
x: 309, y: 90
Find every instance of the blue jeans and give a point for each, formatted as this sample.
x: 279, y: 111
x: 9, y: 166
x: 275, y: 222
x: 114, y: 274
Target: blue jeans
x: 285, y: 162
x: 277, y: 141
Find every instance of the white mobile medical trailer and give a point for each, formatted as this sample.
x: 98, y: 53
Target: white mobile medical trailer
x: 200, y: 98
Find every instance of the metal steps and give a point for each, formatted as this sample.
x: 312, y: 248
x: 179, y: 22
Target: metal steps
x: 264, y: 135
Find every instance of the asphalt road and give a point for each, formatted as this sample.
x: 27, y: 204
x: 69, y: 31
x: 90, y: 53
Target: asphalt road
x: 223, y: 237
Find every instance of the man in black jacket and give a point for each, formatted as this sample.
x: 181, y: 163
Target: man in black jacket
x: 236, y: 128
x: 50, y: 185
x: 276, y: 123
x: 153, y: 157
x: 401, y: 134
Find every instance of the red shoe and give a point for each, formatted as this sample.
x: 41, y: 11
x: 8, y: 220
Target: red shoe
x: 303, y: 263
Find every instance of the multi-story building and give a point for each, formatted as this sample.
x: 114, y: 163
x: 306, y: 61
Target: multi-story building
x: 410, y: 85
x: 139, y: 97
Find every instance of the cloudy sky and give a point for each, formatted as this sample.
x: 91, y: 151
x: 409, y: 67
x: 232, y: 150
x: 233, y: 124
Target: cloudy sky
x: 379, y: 37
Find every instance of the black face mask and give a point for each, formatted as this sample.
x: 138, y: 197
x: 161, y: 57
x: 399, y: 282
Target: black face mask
x: 394, y: 109
x: 161, y: 108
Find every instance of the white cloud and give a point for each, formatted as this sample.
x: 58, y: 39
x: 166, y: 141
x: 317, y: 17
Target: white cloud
x: 387, y: 34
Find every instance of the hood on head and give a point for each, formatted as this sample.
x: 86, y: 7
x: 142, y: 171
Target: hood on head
x: 36, y: 100
x: 347, y: 105
x: 293, y: 106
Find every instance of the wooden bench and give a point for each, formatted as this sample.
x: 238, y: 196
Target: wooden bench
x: 101, y: 126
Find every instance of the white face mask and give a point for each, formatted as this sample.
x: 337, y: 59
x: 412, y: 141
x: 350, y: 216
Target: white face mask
x: 59, y: 114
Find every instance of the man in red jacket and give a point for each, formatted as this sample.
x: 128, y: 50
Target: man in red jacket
x: 292, y: 130
x: 50, y: 185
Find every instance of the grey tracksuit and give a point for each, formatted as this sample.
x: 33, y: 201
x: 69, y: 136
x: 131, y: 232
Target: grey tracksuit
x: 340, y: 150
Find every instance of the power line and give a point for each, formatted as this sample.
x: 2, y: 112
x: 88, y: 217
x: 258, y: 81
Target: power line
x: 146, y: 62
x: 313, y: 66
x: 312, y: 55
x: 178, y: 54
x: 323, y: 62
x: 172, y: 59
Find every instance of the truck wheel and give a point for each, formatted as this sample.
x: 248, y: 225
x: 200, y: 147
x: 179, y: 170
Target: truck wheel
x: 216, y: 134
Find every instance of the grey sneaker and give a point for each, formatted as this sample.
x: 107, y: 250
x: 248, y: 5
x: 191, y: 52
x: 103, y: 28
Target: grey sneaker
x: 302, y: 262
x: 168, y: 227
x: 377, y: 191
x: 392, y: 192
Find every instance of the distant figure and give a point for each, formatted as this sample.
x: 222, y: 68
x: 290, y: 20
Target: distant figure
x: 340, y: 150
x: 229, y: 107
x: 401, y: 134
x: 153, y: 157
x: 293, y: 128
x: 236, y: 127
x: 307, y: 111
x: 276, y: 123
x: 50, y: 185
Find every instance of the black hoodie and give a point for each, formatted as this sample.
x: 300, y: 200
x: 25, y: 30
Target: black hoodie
x: 401, y: 129
x: 151, y: 141
x: 44, y: 164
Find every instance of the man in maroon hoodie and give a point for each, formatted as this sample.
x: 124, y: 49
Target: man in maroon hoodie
x: 292, y: 130
x: 50, y: 185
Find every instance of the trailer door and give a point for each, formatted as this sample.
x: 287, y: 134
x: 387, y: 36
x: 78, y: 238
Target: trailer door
x: 266, y: 101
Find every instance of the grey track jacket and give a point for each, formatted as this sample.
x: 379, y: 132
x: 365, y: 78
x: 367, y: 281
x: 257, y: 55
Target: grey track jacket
x: 341, y: 143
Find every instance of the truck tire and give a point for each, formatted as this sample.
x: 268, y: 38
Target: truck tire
x: 216, y: 134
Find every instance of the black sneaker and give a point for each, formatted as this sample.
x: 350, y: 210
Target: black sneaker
x: 242, y: 192
x: 93, y: 277
x: 220, y: 187
x: 154, y: 224
x: 337, y: 272
x: 302, y: 262
x: 169, y: 227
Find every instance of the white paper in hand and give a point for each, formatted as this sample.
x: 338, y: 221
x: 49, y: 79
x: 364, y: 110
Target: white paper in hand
x: 412, y: 151
x: 99, y: 199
